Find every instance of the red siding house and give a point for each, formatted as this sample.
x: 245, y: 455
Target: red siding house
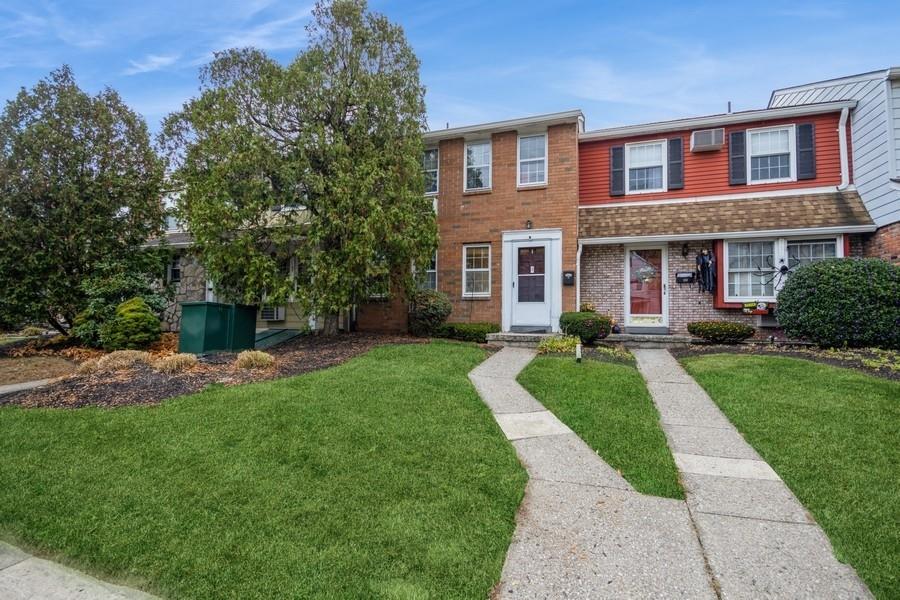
x: 705, y: 218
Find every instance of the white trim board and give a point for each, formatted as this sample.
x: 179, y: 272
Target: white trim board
x: 742, y: 196
x: 727, y: 235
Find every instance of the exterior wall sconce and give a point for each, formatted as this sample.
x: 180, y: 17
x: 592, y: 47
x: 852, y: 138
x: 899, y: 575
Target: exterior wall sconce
x: 684, y: 250
x: 528, y: 224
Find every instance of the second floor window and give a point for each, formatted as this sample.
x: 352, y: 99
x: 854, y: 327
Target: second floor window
x: 431, y: 166
x: 771, y: 154
x: 478, y: 166
x: 645, y: 165
x: 533, y: 160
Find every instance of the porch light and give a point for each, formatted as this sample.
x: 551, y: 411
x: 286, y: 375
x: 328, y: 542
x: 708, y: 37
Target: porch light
x: 528, y: 224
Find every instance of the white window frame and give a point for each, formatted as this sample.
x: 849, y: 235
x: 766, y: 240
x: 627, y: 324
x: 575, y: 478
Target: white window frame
x: 466, y: 165
x: 519, y: 160
x: 792, y: 148
x: 465, y: 292
x: 169, y: 270
x: 434, y: 270
x: 437, y: 171
x: 779, y: 253
x: 665, y: 167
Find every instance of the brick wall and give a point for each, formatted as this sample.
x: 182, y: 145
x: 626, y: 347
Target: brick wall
x: 884, y: 243
x: 387, y: 316
x: 603, y: 280
x: 465, y: 218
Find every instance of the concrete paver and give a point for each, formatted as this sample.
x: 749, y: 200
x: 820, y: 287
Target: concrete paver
x: 582, y: 531
x: 25, y: 385
x: 30, y: 578
x: 758, y: 540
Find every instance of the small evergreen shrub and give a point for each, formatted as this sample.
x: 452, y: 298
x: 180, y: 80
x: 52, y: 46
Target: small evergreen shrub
x: 558, y: 344
x: 121, y: 360
x: 133, y: 326
x: 720, y: 332
x: 839, y: 302
x: 467, y: 332
x: 175, y: 363
x: 427, y: 312
x: 588, y: 326
x: 254, y: 359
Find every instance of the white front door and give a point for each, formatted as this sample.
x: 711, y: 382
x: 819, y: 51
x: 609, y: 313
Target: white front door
x: 530, y: 285
x: 646, y: 289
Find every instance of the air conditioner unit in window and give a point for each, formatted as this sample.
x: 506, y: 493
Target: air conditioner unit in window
x: 271, y: 313
x: 706, y: 140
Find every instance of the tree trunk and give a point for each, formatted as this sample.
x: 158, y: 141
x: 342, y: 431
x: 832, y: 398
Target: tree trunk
x: 56, y: 324
x: 330, y: 325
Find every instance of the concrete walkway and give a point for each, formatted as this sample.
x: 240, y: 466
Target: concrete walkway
x: 25, y: 385
x: 582, y: 531
x: 25, y: 577
x: 758, y: 539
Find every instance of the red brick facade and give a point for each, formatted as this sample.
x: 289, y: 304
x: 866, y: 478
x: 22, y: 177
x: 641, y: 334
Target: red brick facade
x: 884, y: 243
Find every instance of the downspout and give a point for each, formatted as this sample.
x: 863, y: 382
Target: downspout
x: 578, y: 277
x: 845, y: 160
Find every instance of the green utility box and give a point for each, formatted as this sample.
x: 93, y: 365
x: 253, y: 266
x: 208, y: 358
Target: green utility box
x: 215, y: 327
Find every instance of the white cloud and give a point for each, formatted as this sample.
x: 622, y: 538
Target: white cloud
x: 151, y: 62
x: 275, y: 34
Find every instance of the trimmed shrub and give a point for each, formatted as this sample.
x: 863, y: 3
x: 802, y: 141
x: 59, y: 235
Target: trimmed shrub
x: 852, y: 302
x: 133, y: 326
x: 428, y: 310
x: 254, y: 359
x: 467, y: 332
x: 121, y: 360
x: 720, y: 332
x: 558, y: 344
x: 175, y: 363
x: 588, y: 326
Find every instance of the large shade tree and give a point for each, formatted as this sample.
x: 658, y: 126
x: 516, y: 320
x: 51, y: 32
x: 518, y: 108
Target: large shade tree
x: 79, y: 187
x: 316, y: 164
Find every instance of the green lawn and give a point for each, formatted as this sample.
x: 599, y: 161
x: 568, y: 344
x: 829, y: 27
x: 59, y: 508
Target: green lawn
x: 833, y: 435
x: 608, y: 405
x: 385, y: 477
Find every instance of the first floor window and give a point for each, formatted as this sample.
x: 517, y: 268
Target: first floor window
x: 477, y: 270
x: 645, y: 165
x: 771, y: 154
x: 478, y: 165
x: 174, y: 271
x: 803, y: 252
x: 751, y: 266
x: 428, y: 280
x: 533, y: 159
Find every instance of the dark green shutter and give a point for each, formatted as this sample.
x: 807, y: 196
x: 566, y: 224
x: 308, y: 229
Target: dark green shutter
x: 737, y: 158
x: 676, y: 164
x: 806, y: 151
x: 617, y: 171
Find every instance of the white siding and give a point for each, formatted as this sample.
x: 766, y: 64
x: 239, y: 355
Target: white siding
x: 874, y: 128
x: 895, y: 106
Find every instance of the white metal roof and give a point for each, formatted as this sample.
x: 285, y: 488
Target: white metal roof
x: 546, y: 120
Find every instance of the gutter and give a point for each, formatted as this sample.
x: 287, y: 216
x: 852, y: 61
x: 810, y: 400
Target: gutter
x: 845, y: 160
x: 578, y: 276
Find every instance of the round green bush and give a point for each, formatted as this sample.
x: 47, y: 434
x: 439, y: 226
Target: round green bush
x: 588, y: 326
x: 720, y: 332
x: 134, y: 326
x: 851, y: 302
x: 427, y: 312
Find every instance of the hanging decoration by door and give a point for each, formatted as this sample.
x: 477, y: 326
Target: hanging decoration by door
x: 706, y: 271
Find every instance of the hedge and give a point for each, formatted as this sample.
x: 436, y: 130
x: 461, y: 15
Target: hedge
x: 427, y: 312
x: 720, y: 332
x: 588, y: 326
x: 467, y: 332
x: 839, y: 302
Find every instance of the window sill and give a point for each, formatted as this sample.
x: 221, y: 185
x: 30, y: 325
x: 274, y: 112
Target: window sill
x: 477, y: 192
x: 765, y: 181
x: 641, y: 192
x: 533, y: 186
x: 471, y: 297
x: 746, y: 300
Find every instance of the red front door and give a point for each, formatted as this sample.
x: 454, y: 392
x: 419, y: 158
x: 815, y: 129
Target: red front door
x: 646, y: 281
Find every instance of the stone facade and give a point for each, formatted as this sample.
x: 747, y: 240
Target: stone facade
x: 192, y: 287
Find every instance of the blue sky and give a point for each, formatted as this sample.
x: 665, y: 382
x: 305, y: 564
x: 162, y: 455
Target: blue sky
x: 620, y: 63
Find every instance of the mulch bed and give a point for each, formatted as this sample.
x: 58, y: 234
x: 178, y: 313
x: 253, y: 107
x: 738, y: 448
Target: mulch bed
x: 141, y: 385
x: 851, y: 359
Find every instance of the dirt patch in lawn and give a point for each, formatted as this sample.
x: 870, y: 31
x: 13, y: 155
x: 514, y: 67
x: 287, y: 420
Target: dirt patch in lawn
x: 143, y: 385
x: 872, y: 361
x: 20, y: 370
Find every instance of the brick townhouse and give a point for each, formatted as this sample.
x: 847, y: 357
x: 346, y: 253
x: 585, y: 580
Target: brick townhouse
x: 656, y: 224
